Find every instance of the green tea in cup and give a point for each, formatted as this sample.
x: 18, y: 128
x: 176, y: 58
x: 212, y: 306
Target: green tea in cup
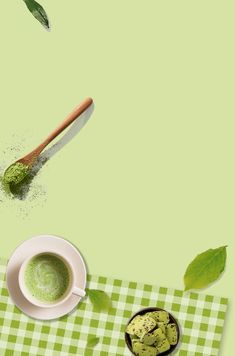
x: 47, y: 278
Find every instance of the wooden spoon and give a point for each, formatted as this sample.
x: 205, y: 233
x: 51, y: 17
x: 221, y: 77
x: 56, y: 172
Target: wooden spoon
x: 29, y: 159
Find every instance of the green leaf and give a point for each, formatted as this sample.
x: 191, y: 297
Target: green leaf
x: 92, y: 341
x: 99, y: 299
x: 205, y: 268
x: 38, y: 12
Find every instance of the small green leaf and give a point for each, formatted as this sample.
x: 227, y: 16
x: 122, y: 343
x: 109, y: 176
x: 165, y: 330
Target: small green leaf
x: 205, y: 268
x: 99, y: 299
x: 38, y: 12
x: 92, y: 341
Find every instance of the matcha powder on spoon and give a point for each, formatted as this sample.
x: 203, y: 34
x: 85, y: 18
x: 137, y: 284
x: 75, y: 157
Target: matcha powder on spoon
x: 14, y: 177
x: 16, y: 173
x: 20, y: 187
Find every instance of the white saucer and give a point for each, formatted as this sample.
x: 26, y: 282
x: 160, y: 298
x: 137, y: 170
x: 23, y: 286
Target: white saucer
x: 32, y: 246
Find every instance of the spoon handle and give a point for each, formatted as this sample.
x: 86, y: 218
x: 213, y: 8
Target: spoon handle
x: 68, y: 121
x: 30, y: 158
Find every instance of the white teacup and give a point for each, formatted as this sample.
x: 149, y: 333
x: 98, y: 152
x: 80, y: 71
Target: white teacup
x: 71, y: 289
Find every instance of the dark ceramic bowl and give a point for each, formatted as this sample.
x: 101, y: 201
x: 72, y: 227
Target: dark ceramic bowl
x: 144, y: 311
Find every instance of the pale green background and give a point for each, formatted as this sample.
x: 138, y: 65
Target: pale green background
x: 149, y: 182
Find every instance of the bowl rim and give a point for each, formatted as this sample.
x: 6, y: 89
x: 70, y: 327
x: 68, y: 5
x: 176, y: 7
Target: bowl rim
x: 144, y: 311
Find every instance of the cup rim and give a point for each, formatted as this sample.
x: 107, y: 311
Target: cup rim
x: 144, y: 311
x: 23, y: 288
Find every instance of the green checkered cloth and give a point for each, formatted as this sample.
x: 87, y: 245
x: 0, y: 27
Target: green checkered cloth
x: 201, y: 318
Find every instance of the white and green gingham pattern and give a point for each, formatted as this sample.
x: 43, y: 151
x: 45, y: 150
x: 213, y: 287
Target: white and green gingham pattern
x: 201, y: 318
